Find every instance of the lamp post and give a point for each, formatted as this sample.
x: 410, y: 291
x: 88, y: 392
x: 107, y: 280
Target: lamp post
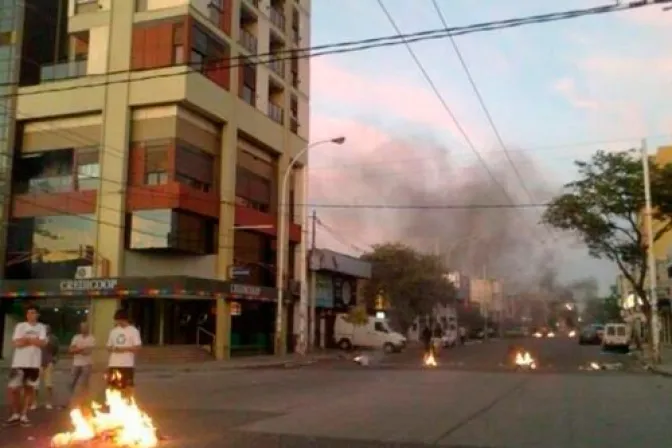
x: 280, y: 259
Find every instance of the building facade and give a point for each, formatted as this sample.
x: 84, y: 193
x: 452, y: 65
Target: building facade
x: 143, y: 145
x: 337, y: 283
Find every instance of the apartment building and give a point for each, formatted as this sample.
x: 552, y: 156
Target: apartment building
x: 143, y: 144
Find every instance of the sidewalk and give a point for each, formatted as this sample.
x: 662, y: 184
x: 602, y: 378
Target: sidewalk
x: 248, y: 362
x: 664, y: 369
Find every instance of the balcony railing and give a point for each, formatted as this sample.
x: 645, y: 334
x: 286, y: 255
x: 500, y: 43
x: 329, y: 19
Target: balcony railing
x: 277, y: 18
x: 248, y: 41
x: 63, y: 70
x: 278, y: 66
x: 275, y: 113
x: 248, y: 95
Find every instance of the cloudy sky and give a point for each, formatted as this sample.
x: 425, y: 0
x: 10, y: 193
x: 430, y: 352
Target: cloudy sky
x: 557, y: 92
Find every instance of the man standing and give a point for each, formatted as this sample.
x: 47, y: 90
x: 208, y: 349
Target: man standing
x: 82, y: 363
x: 123, y: 343
x: 28, y: 339
x: 49, y: 359
x: 427, y: 340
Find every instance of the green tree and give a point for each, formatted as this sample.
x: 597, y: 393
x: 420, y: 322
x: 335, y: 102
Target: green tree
x: 603, y: 209
x: 412, y: 282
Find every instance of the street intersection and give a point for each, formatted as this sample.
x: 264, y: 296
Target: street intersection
x: 471, y: 400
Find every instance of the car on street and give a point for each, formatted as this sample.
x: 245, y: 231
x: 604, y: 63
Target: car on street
x: 591, y: 334
x: 616, y: 337
x: 543, y: 332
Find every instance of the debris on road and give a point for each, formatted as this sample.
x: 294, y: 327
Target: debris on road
x: 595, y: 366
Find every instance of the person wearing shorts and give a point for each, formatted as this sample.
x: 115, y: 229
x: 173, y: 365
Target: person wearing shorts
x: 81, y: 347
x: 29, y: 337
x: 123, y: 343
x: 49, y: 360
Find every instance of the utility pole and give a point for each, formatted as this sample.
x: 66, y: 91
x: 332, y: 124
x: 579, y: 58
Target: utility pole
x: 485, y: 300
x: 653, y: 293
x: 312, y: 288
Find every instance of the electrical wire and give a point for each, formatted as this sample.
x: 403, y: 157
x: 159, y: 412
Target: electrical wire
x: 481, y: 101
x: 344, y: 47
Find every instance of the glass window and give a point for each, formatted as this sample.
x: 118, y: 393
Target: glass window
x: 151, y: 229
x: 50, y: 246
x: 88, y: 169
x: 46, y: 172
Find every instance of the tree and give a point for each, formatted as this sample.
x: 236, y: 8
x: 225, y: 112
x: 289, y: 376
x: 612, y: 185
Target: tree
x: 603, y: 208
x: 412, y: 282
x: 603, y: 309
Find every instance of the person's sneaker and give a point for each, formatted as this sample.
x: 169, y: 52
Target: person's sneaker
x: 24, y: 420
x: 48, y: 406
x: 15, y: 418
x: 33, y: 407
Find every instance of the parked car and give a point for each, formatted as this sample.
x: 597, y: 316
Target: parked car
x: 543, y: 333
x: 591, y: 334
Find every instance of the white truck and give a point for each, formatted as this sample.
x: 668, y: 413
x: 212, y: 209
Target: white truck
x: 375, y: 334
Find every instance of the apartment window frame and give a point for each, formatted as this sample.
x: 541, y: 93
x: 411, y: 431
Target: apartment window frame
x: 158, y: 172
x: 206, y: 184
x: 87, y: 173
x: 245, y: 187
x: 179, y: 38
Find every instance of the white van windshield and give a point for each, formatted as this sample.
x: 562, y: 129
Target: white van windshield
x: 382, y: 327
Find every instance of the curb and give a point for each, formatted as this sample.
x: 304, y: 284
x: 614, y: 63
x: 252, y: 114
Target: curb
x: 204, y: 367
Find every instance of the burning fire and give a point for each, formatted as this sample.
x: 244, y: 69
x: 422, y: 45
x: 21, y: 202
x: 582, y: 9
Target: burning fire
x: 524, y: 359
x: 430, y: 361
x: 124, y: 425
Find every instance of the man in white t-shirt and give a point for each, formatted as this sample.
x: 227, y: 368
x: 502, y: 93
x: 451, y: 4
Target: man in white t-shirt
x: 82, y: 362
x: 29, y: 338
x: 123, y: 343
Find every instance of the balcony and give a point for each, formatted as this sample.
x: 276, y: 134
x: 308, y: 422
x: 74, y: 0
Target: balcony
x: 86, y: 6
x: 275, y: 113
x: 63, y: 70
x: 278, y: 67
x: 277, y: 18
x: 248, y: 41
x: 54, y: 184
x: 248, y: 95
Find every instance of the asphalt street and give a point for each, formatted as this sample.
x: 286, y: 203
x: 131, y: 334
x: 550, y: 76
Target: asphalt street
x: 398, y: 403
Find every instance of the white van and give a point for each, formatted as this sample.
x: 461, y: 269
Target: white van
x: 376, y: 333
x: 616, y: 336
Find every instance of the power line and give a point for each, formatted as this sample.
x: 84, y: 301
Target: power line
x: 481, y: 101
x: 349, y: 46
x: 427, y: 207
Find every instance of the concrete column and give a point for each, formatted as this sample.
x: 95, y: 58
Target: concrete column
x: 113, y: 165
x: 283, y: 163
x: 226, y: 236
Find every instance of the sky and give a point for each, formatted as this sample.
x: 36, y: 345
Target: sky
x: 557, y: 92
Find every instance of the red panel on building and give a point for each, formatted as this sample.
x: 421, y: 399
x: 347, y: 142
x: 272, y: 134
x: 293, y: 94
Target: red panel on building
x: 246, y: 216
x: 70, y: 203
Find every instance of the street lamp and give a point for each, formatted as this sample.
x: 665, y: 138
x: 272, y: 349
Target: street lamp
x: 280, y: 250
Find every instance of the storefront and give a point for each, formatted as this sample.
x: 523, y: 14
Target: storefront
x: 336, y: 290
x: 168, y: 310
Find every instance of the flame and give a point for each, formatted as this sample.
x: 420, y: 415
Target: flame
x: 524, y: 359
x: 572, y: 334
x: 595, y: 366
x: 123, y: 425
x: 430, y: 361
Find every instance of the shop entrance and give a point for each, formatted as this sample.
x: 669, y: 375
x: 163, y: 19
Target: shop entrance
x: 170, y: 321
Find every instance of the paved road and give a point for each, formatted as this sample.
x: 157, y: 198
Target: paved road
x: 338, y: 404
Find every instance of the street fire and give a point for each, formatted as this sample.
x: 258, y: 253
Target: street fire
x: 123, y: 425
x: 430, y: 360
x: 524, y: 359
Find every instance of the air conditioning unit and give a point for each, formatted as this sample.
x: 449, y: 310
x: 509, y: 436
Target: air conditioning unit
x: 84, y: 272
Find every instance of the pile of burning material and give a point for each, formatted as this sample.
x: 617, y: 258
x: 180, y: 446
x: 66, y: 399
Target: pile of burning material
x: 123, y: 424
x: 594, y: 366
x: 430, y: 360
x: 524, y: 360
x: 362, y: 360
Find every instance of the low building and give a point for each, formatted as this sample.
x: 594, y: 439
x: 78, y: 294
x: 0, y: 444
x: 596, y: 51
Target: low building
x: 337, y: 282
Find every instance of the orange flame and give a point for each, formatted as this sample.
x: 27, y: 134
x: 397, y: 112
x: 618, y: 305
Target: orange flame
x: 524, y: 359
x: 123, y: 425
x: 430, y: 361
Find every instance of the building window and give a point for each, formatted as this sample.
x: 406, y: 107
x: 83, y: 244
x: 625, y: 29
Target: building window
x: 157, y: 163
x: 248, y: 91
x: 50, y: 246
x: 170, y: 230
x: 45, y: 172
x: 194, y: 167
x: 88, y: 169
x: 178, y: 44
x: 252, y: 190
x: 209, y: 56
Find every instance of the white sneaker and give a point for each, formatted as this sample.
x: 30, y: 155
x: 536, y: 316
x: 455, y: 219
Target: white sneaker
x: 48, y: 406
x: 33, y: 407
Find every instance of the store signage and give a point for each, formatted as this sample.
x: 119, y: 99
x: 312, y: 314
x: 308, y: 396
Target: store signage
x: 89, y: 285
x: 245, y: 290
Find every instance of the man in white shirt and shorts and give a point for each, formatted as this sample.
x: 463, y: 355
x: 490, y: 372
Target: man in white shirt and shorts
x: 123, y: 343
x: 29, y: 338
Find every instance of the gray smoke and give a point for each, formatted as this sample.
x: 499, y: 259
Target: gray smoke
x: 507, y: 243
